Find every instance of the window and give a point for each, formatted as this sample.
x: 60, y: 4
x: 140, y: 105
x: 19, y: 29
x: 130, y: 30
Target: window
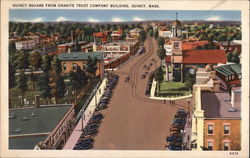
x: 64, y: 66
x: 226, y: 129
x: 210, y: 129
x: 210, y: 145
x: 176, y: 45
x: 226, y: 145
x: 74, y: 66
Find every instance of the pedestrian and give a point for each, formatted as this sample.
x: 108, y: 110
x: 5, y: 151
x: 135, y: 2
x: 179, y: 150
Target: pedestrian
x: 164, y: 101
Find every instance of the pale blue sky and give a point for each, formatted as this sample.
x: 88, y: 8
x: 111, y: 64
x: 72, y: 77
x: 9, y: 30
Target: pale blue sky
x: 46, y: 15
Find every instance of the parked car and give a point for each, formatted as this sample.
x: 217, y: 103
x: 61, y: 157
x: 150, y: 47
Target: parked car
x: 180, y: 115
x: 83, y: 146
x: 98, y: 115
x: 90, y: 132
x: 92, y: 126
x: 179, y: 120
x: 173, y: 139
x: 181, y: 111
x: 174, y: 147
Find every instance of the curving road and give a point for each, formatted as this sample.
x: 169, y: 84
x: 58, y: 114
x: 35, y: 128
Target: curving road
x: 132, y: 121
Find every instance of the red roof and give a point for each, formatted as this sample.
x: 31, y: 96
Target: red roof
x: 100, y: 34
x: 193, y: 45
x: 213, y: 56
x: 168, y: 59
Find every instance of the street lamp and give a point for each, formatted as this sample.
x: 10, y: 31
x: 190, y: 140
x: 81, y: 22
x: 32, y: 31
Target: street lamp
x: 83, y: 118
x: 182, y: 134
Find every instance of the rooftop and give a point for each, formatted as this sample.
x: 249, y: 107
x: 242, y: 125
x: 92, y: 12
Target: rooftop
x: 217, y: 105
x: 80, y: 56
x: 38, y: 123
x: 25, y: 142
x: 213, y: 56
x: 73, y: 43
x: 228, y: 70
x: 193, y: 45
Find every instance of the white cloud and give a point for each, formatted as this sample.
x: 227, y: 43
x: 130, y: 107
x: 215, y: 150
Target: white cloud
x: 29, y: 20
x: 214, y: 18
x: 37, y: 20
x: 93, y: 20
x: 137, y: 19
x: 61, y: 19
x: 117, y: 20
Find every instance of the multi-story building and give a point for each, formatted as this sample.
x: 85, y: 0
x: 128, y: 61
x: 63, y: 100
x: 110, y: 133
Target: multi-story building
x: 68, y: 47
x: 135, y: 33
x: 116, y: 35
x: 165, y: 32
x: 70, y: 61
x: 216, y: 117
x: 27, y: 44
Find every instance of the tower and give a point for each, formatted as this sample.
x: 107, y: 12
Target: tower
x: 176, y: 27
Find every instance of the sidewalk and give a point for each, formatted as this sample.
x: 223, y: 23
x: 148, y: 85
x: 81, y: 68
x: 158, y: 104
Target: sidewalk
x: 188, y: 131
x: 75, y: 135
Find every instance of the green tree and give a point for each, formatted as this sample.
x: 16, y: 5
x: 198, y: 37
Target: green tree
x: 151, y: 33
x: 46, y: 63
x: 156, y: 34
x: 57, y: 84
x: 22, y: 84
x: 91, y: 66
x: 12, y: 64
x: 235, y: 57
x: 160, y: 42
x: 158, y: 78
x: 211, y: 37
x: 143, y: 35
x: 190, y: 81
x: 229, y: 56
x: 22, y: 60
x: 161, y: 53
x: 77, y: 79
x: 44, y: 87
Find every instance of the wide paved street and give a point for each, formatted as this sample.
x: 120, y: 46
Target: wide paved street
x: 132, y: 121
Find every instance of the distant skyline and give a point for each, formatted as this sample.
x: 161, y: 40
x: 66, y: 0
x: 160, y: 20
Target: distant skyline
x: 50, y: 15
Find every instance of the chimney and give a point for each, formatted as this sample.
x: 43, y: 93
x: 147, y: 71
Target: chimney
x: 72, y: 37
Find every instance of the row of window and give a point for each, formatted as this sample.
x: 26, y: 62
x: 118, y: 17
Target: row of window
x: 210, y: 145
x: 211, y: 129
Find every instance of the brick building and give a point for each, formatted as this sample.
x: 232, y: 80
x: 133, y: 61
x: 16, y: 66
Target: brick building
x: 70, y: 61
x: 216, y: 121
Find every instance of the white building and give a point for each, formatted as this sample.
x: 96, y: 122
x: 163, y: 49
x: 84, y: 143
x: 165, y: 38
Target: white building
x: 26, y: 45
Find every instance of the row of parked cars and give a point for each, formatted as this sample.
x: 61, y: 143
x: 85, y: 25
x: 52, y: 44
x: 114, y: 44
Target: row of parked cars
x: 108, y: 93
x: 86, y: 140
x: 149, y: 83
x: 174, y: 140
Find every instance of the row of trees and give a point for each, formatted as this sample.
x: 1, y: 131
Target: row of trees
x: 51, y: 81
x: 65, y: 28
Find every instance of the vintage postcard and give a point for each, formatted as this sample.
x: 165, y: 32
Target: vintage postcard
x: 124, y: 78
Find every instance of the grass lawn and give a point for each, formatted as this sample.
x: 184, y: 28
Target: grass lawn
x: 169, y: 89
